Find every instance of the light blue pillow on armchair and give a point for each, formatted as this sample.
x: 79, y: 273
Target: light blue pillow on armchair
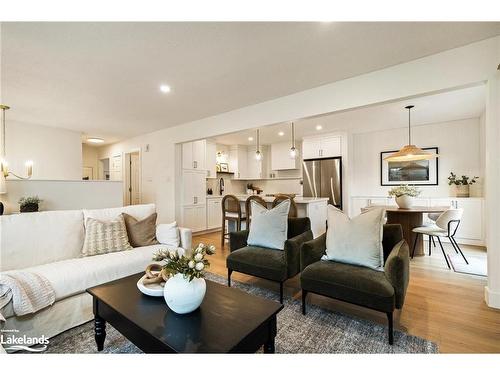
x: 269, y: 228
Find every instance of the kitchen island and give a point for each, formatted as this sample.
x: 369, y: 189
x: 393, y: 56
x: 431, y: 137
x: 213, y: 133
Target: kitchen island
x: 313, y: 208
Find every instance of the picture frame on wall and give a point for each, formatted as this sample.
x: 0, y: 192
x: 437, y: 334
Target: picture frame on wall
x: 224, y: 167
x: 419, y: 172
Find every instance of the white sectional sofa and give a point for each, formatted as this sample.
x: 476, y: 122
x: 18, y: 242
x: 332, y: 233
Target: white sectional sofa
x: 49, y: 243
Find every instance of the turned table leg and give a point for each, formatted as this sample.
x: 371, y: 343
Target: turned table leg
x: 99, y: 332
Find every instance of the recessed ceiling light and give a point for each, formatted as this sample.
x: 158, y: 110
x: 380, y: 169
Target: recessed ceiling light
x: 319, y: 127
x: 250, y: 139
x: 95, y: 140
x: 281, y: 134
x: 165, y: 89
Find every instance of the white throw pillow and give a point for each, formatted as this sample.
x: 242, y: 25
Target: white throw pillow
x: 102, y: 237
x: 355, y: 241
x: 168, y: 234
x: 269, y: 228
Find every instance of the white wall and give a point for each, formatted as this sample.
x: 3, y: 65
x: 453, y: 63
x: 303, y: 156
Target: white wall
x: 464, y: 66
x: 90, y: 159
x: 56, y: 153
x: 64, y: 195
x: 459, y: 150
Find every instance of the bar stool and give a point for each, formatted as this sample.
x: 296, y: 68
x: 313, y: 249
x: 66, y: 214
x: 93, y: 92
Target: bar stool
x: 278, y: 198
x: 248, y: 206
x: 231, y: 211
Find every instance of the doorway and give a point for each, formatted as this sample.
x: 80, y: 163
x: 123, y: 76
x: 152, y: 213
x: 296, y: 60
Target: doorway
x: 132, y: 188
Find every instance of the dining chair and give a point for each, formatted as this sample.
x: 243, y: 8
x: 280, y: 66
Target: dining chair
x: 248, y: 206
x: 278, y: 198
x: 433, y: 216
x: 446, y: 225
x: 231, y: 211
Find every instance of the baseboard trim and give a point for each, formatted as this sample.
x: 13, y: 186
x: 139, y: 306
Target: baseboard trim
x: 492, y: 298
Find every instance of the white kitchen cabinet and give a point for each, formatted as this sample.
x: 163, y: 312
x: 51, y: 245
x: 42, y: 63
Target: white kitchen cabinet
x: 194, y: 217
x: 214, y: 213
x: 211, y: 159
x: 280, y: 157
x: 257, y: 169
x: 324, y: 147
x: 194, y: 154
x: 194, y: 185
x: 472, y: 223
x: 238, y: 161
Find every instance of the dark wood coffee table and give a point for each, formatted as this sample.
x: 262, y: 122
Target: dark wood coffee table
x: 228, y: 321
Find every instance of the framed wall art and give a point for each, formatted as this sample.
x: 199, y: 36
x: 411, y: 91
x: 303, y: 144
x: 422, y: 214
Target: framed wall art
x: 418, y: 172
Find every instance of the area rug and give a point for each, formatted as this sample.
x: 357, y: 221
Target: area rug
x: 320, y: 331
x: 477, y: 264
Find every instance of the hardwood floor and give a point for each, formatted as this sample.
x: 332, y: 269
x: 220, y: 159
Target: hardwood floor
x: 441, y: 305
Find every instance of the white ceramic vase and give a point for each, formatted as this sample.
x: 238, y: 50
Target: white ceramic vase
x: 184, y: 296
x: 404, y: 201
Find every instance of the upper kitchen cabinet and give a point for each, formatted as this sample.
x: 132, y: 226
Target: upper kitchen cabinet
x: 211, y: 159
x: 324, y: 147
x: 194, y: 154
x: 238, y: 161
x: 257, y: 169
x: 280, y: 157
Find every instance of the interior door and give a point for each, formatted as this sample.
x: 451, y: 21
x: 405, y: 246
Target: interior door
x: 135, y: 178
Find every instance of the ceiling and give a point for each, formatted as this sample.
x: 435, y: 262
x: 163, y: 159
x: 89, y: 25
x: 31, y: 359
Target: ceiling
x: 448, y: 106
x: 103, y: 79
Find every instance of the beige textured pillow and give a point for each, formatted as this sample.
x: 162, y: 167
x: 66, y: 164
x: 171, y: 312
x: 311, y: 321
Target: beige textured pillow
x: 143, y: 232
x: 105, y: 237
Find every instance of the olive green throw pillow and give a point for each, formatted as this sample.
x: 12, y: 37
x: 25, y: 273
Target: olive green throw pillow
x: 141, y: 232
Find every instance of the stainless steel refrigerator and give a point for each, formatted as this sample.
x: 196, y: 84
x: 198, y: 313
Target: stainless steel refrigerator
x: 323, y: 178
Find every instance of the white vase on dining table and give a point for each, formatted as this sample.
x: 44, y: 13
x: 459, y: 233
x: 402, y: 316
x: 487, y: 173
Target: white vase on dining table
x: 404, y: 201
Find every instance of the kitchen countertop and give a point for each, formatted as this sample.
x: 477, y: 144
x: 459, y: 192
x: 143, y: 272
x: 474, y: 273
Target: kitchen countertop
x: 298, y: 199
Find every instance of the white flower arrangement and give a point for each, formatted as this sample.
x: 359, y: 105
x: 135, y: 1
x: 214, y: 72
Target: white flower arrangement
x: 190, y: 266
x: 401, y: 190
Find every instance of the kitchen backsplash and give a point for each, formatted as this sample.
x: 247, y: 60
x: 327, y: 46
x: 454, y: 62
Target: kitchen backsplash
x: 269, y: 186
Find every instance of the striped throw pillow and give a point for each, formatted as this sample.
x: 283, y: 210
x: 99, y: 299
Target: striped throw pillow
x: 105, y: 237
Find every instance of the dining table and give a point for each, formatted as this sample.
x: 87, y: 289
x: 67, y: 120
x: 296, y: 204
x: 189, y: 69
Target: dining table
x: 410, y: 218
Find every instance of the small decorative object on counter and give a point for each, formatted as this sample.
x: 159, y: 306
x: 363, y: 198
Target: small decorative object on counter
x: 185, y: 289
x: 461, y: 184
x: 404, y: 195
x: 210, y: 191
x: 29, y: 204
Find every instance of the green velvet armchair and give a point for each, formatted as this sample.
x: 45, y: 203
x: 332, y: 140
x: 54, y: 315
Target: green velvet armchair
x: 381, y: 291
x: 270, y: 264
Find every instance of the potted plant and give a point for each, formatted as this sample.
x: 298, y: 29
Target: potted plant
x: 461, y: 184
x: 185, y: 289
x: 404, y: 195
x: 29, y: 204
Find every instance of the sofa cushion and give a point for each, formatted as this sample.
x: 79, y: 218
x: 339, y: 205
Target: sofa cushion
x: 105, y: 237
x: 139, y: 211
x: 269, y: 228
x: 168, y: 234
x: 355, y: 284
x: 259, y: 261
x: 29, y: 239
x: 356, y: 241
x: 73, y: 276
x: 141, y: 232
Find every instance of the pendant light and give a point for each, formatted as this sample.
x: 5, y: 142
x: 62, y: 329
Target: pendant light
x: 258, y: 154
x: 293, y: 150
x: 4, y: 170
x: 410, y: 152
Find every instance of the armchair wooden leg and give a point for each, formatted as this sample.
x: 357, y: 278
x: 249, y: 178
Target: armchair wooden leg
x: 304, y: 295
x: 223, y: 233
x: 281, y: 291
x: 229, y: 272
x: 391, y: 328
